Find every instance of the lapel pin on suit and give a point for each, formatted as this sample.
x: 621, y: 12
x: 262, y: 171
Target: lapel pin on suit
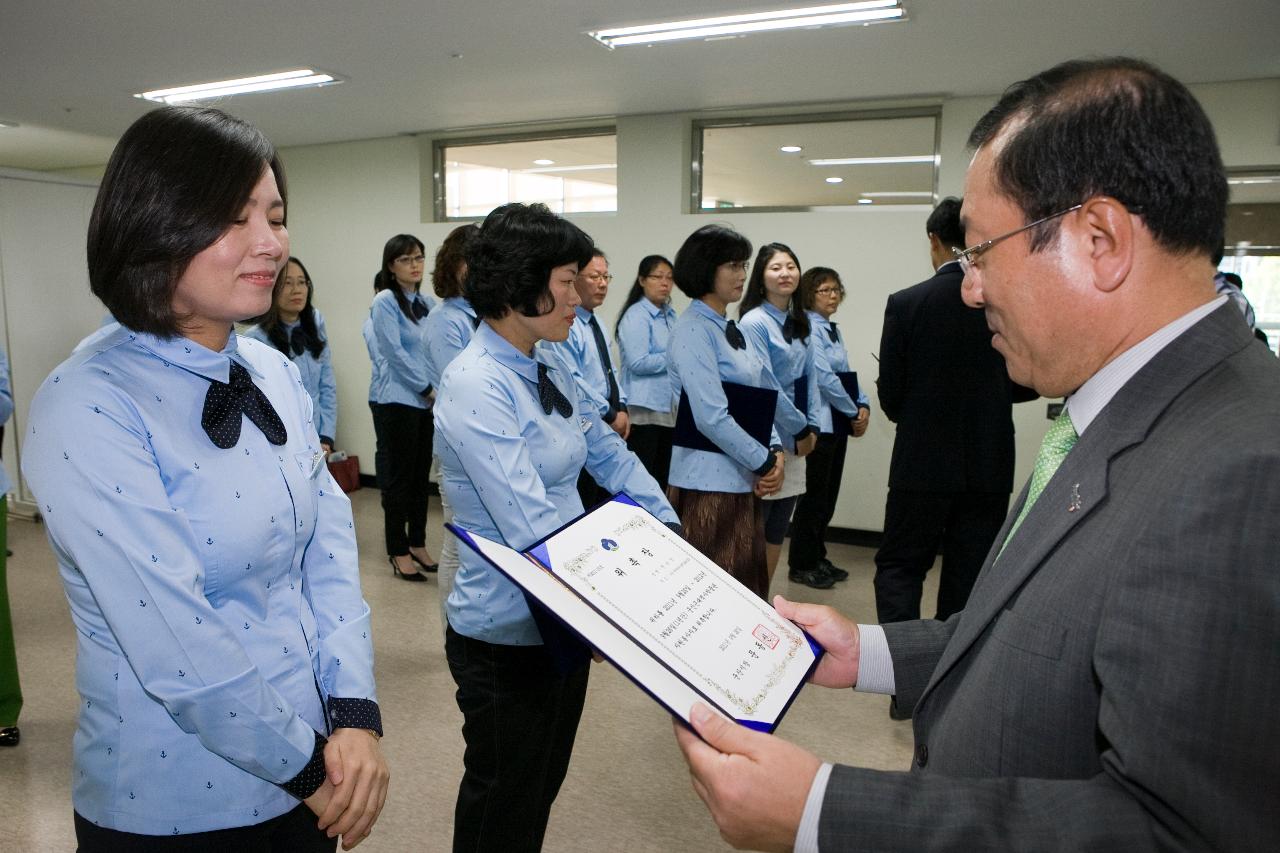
x: 1076, y: 502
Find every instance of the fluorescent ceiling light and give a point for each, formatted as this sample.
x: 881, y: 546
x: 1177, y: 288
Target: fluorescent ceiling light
x: 835, y: 180
x: 867, y: 12
x: 897, y: 194
x: 791, y: 149
x: 10, y: 124
x: 865, y: 201
x: 1257, y: 179
x: 543, y: 161
x: 297, y: 78
x: 593, y: 167
x: 873, y: 161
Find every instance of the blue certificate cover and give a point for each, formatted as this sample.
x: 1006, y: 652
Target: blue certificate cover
x: 839, y: 420
x: 752, y: 408
x: 672, y: 621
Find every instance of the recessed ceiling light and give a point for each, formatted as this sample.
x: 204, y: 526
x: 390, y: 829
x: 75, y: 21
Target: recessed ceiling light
x: 873, y: 161
x: 835, y: 180
x: 791, y: 149
x: 865, y: 201
x: 295, y: 79
x: 542, y: 161
x: 809, y: 17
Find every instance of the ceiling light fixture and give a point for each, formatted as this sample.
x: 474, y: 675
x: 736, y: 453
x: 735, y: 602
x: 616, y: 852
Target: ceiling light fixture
x: 865, y: 201
x: 298, y: 78
x: 591, y: 167
x: 898, y: 194
x: 8, y: 124
x: 543, y: 161
x: 873, y: 161
x: 835, y: 180
x: 810, y: 17
x: 791, y: 149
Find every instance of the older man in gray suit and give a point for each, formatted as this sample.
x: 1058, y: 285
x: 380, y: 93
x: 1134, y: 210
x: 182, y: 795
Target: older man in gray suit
x: 1114, y: 681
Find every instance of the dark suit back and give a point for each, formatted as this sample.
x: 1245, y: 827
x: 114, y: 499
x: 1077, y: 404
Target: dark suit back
x: 947, y: 390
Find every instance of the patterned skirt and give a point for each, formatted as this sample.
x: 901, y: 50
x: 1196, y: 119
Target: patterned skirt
x: 728, y: 527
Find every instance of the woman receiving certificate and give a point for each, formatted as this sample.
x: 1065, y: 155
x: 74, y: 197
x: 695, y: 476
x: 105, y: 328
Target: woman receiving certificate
x: 512, y: 435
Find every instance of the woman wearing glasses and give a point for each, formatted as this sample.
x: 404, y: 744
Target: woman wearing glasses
x: 643, y: 331
x: 778, y: 329
x: 839, y: 416
x: 296, y: 329
x: 402, y: 404
x: 718, y: 469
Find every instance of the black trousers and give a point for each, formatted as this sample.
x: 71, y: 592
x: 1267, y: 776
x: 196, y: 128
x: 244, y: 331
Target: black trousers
x: 652, y: 445
x: 520, y: 718
x: 292, y: 832
x: 589, y: 491
x: 823, y: 470
x: 919, y: 524
x: 402, y: 459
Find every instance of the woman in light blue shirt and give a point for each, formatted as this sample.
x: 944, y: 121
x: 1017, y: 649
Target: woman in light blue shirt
x: 402, y: 405
x: 777, y: 328
x: 10, y: 687
x: 513, y: 433
x: 716, y: 491
x: 449, y: 330
x: 840, y: 416
x: 296, y: 329
x: 643, y: 331
x: 224, y: 660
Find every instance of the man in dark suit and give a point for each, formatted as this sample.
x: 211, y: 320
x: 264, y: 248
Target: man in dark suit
x: 1112, y: 682
x: 952, y: 467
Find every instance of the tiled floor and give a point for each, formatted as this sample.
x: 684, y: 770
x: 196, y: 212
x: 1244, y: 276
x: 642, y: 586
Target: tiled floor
x: 627, y: 789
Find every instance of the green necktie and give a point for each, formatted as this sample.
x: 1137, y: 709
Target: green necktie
x: 1057, y: 443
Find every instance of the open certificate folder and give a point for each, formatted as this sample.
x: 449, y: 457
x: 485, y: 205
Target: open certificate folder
x: 674, y: 622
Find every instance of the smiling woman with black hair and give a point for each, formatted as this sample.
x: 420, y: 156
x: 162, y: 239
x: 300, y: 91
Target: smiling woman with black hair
x: 294, y: 327
x: 224, y: 660
x: 513, y: 433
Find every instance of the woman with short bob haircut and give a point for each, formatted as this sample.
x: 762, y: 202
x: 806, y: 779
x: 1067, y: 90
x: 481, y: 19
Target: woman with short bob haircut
x: 513, y: 435
x: 401, y: 405
x: 777, y: 328
x: 224, y: 661
x: 296, y: 328
x: 716, y: 492
x: 643, y: 331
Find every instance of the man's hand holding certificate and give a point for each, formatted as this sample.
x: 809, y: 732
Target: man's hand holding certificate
x: 675, y: 623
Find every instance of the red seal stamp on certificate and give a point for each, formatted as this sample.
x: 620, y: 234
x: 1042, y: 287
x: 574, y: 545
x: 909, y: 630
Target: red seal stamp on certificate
x: 765, y: 636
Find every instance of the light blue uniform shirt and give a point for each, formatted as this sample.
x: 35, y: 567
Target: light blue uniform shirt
x: 788, y: 362
x: 510, y: 471
x: 215, y: 593
x: 831, y: 357
x: 377, y: 364
x: 701, y: 360
x: 317, y: 374
x: 585, y: 355
x: 6, y: 411
x: 402, y: 344
x: 449, y: 330
x: 643, y: 338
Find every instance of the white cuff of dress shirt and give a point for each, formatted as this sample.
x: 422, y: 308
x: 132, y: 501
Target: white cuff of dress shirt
x: 807, y: 834
x: 875, y: 664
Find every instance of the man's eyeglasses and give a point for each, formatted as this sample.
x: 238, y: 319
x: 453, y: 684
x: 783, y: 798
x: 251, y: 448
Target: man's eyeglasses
x: 596, y: 278
x: 968, y: 258
x: 411, y: 260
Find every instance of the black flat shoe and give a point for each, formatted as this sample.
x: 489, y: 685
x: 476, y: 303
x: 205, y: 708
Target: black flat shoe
x: 426, y: 567
x: 9, y: 736
x: 415, y: 577
x: 837, y: 573
x: 815, y: 577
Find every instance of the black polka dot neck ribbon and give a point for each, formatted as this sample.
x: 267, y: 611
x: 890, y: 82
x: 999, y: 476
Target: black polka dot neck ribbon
x: 789, y: 329
x: 550, y: 396
x: 833, y: 334
x: 226, y: 401
x: 419, y: 308
x: 299, y: 340
x: 734, y: 336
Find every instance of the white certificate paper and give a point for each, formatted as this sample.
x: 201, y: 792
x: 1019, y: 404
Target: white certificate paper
x: 676, y: 623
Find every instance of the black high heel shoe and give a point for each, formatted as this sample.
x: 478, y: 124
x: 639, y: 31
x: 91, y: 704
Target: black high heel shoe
x: 415, y: 577
x: 9, y: 736
x: 426, y: 567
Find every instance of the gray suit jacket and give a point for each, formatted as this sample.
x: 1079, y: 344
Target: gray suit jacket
x: 1114, y: 682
